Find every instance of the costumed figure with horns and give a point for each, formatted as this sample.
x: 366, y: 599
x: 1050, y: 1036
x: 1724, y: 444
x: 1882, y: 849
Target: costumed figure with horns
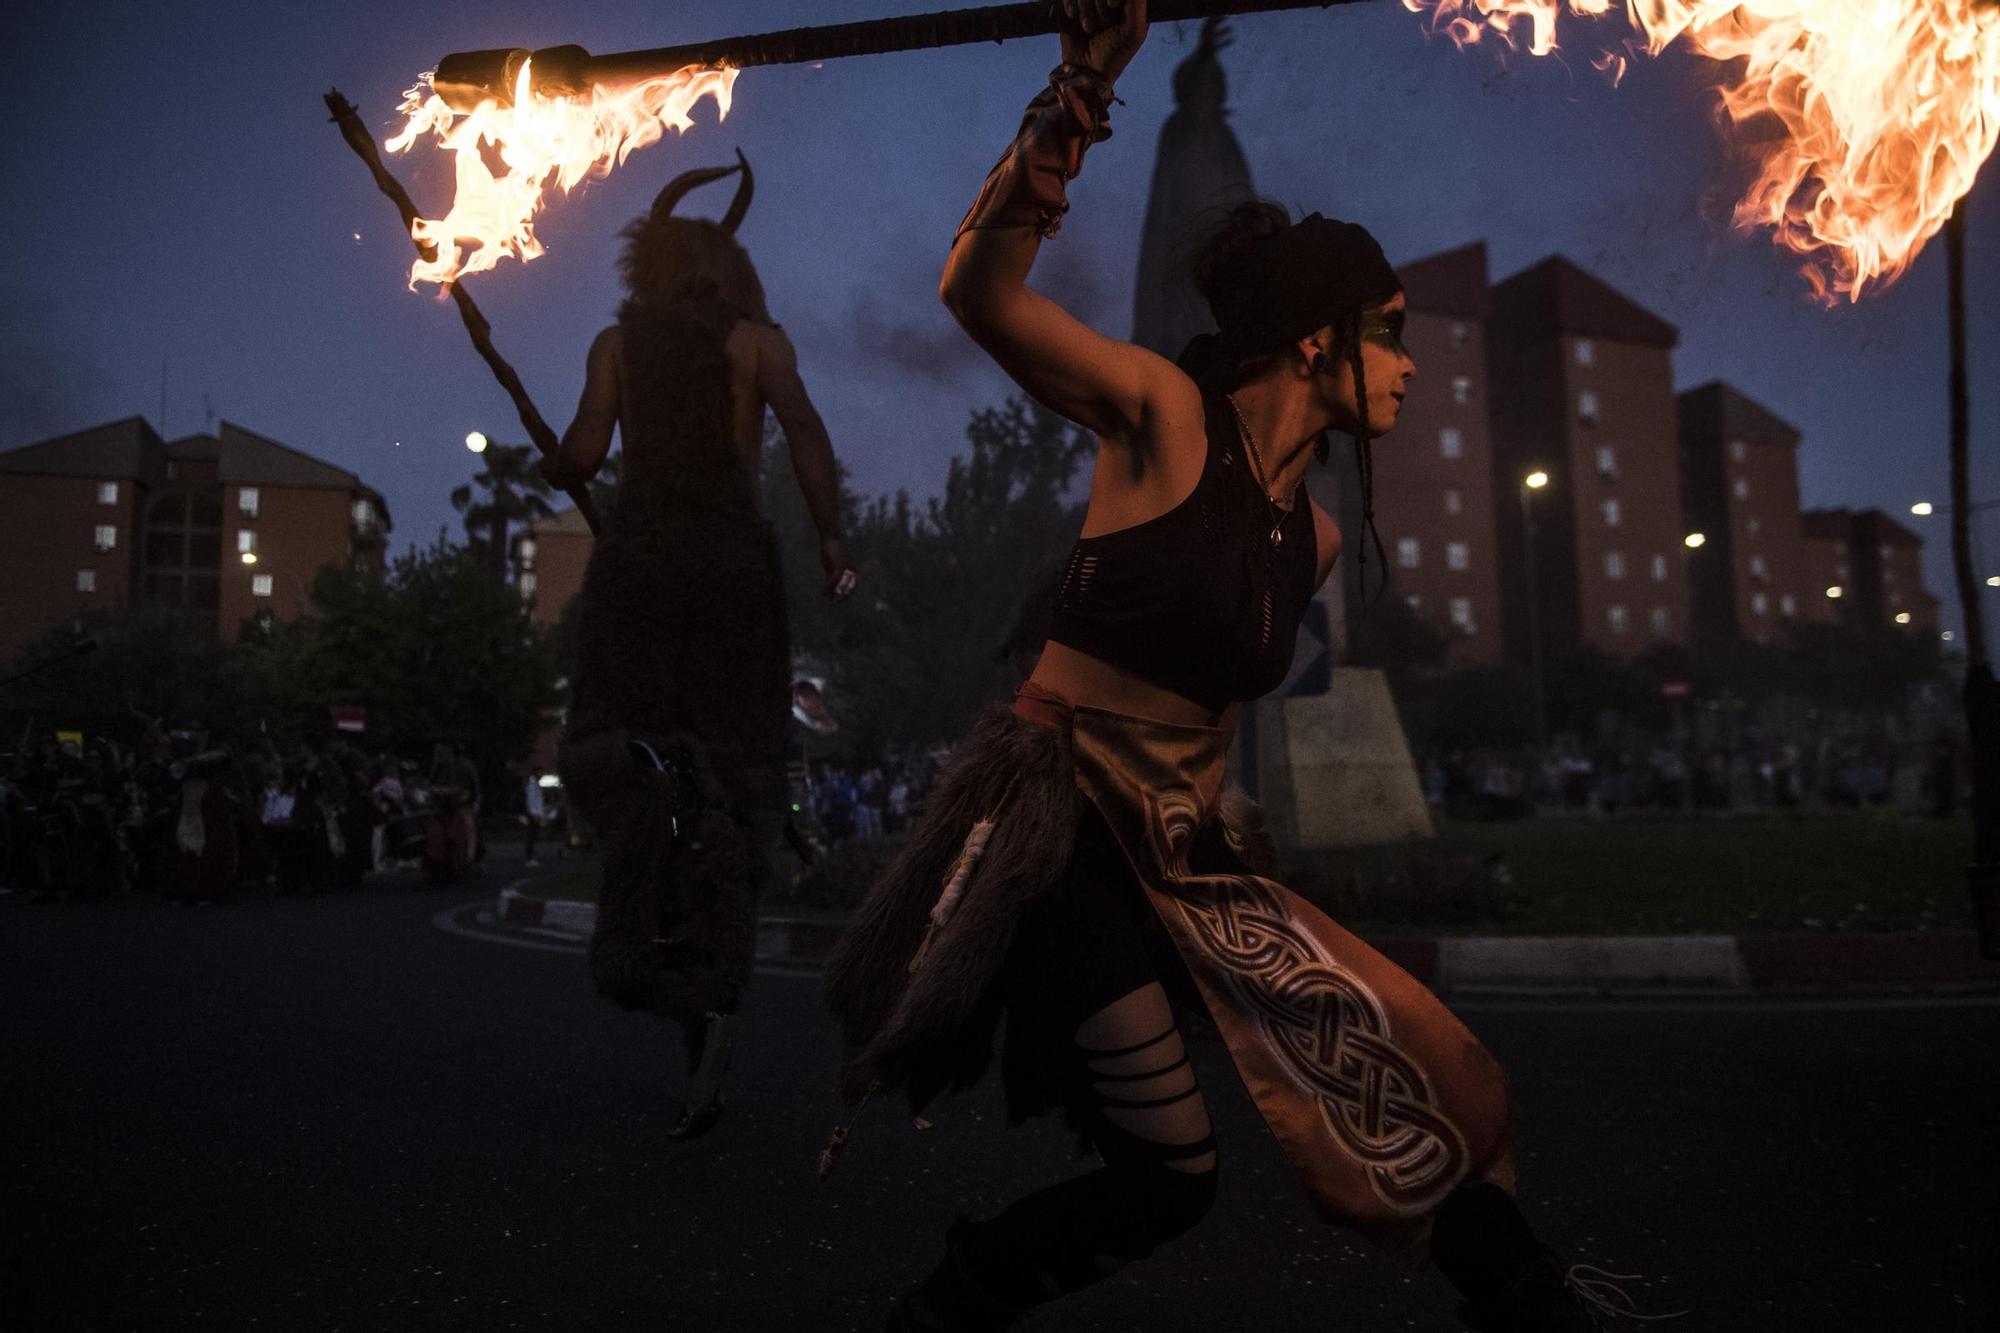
x: 1080, y: 870
x: 675, y: 748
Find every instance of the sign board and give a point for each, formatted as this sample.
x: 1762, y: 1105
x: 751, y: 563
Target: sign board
x: 350, y: 718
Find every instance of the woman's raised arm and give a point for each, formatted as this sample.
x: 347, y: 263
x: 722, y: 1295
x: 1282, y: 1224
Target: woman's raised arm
x: 1101, y: 383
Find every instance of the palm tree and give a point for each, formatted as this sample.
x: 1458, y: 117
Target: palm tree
x: 511, y: 491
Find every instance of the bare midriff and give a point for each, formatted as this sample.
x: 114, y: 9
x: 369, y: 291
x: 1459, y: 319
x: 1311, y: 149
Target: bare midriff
x: 1093, y: 683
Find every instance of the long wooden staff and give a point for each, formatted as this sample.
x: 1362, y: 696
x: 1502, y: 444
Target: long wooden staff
x: 363, y: 143
x: 465, y: 77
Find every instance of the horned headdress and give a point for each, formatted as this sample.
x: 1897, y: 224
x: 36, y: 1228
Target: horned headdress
x: 669, y: 259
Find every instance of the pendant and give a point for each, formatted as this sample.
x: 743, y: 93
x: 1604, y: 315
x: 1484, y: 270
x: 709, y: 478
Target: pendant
x: 1278, y: 536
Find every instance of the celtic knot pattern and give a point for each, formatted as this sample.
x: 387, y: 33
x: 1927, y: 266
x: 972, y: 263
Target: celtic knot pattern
x: 1326, y: 1028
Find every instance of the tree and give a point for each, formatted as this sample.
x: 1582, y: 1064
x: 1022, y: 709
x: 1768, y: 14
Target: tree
x: 917, y: 651
x: 513, y: 492
x: 435, y: 649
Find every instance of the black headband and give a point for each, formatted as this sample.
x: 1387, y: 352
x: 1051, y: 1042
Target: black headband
x: 1281, y: 287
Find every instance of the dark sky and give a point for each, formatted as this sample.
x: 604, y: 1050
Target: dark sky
x: 176, y: 196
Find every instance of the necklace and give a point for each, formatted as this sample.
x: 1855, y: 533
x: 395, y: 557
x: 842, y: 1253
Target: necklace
x: 1263, y: 487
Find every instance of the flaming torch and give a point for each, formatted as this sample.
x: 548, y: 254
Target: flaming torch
x: 1887, y: 109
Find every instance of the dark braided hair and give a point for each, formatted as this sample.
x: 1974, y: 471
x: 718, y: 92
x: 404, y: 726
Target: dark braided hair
x: 1364, y: 460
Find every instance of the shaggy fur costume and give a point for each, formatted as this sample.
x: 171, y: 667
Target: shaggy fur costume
x: 682, y: 645
x: 933, y: 1029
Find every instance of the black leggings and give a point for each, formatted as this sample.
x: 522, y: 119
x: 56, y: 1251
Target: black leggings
x: 1088, y: 1004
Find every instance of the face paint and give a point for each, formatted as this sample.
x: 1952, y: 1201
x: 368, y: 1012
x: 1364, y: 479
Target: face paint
x: 1384, y: 328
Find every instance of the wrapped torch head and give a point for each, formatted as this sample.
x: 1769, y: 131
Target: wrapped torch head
x: 464, y: 79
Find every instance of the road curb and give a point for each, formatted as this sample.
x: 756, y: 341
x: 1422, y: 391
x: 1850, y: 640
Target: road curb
x: 1512, y: 964
x: 569, y: 918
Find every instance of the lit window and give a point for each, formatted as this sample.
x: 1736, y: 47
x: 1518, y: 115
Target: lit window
x: 1788, y: 605
x: 86, y: 580
x: 173, y: 471
x: 1615, y: 617
x: 1461, y: 388
x: 1407, y: 553
x: 246, y: 501
x: 1461, y: 615
x: 1607, y: 461
x: 1586, y: 352
x: 1753, y: 525
x: 1659, y: 569
x: 107, y: 537
x: 364, y: 515
x: 1454, y: 503
x: 1659, y: 619
x: 1614, y: 564
x: 1758, y: 569
x: 1586, y: 405
x: 107, y: 492
x: 1611, y: 514
x: 1736, y: 451
x: 1457, y: 555
x: 528, y: 584
x: 1414, y: 602
x: 1760, y: 605
x: 1450, y: 442
x: 1742, y: 488
x: 246, y: 540
x: 1460, y: 333
x: 260, y: 585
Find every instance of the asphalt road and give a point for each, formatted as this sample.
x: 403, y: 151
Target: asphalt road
x: 335, y: 1114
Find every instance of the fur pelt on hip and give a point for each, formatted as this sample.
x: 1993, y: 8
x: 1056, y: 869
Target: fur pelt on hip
x: 677, y: 914
x: 934, y: 1028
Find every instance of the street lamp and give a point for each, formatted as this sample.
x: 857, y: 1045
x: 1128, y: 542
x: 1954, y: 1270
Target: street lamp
x: 1835, y: 592
x: 1694, y: 541
x: 476, y: 441
x: 1534, y: 481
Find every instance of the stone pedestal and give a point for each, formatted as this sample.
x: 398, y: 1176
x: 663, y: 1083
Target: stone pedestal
x: 1333, y: 769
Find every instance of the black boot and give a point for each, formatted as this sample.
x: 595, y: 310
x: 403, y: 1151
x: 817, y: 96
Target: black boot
x: 1539, y: 1300
x: 953, y: 1299
x: 1485, y: 1247
x: 1511, y: 1282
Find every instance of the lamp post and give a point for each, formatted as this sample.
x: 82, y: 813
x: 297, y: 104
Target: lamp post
x: 1534, y: 481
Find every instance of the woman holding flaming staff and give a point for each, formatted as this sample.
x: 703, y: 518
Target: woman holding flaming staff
x: 1088, y: 860
x: 675, y: 748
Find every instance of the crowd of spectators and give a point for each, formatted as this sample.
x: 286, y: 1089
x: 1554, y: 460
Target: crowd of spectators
x: 1492, y: 784
x: 189, y: 816
x: 862, y: 802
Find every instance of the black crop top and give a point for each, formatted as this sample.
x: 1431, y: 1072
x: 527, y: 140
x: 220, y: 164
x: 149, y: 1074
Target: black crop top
x: 1199, y: 600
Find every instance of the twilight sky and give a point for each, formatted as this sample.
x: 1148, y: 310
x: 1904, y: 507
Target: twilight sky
x: 177, y: 197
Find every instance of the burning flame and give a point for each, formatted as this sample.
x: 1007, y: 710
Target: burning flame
x: 1887, y: 109
x: 508, y: 158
